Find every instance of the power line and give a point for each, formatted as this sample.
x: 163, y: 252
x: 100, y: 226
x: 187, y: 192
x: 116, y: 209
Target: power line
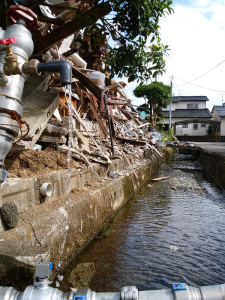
x: 202, y: 74
x: 199, y: 86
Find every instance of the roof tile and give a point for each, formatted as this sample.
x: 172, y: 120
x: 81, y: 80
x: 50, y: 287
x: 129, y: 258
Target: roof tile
x: 189, y: 113
x: 220, y: 110
x: 190, y: 98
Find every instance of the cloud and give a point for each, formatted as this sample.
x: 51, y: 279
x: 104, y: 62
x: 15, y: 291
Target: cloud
x: 195, y: 34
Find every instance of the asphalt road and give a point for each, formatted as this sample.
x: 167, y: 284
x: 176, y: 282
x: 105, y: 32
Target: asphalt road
x: 218, y: 148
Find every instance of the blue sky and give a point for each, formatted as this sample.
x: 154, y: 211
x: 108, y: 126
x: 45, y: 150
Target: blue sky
x: 195, y: 33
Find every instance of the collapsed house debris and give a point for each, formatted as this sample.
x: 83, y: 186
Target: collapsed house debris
x: 105, y: 125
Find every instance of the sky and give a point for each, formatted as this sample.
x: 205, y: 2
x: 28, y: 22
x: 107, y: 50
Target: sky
x: 195, y: 33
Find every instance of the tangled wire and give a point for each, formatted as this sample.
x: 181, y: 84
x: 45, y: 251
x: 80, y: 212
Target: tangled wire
x: 21, y: 123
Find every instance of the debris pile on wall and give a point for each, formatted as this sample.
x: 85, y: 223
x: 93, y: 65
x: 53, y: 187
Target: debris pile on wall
x: 105, y: 124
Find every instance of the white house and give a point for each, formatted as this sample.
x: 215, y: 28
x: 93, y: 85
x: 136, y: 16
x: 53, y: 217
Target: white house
x: 192, y: 109
x: 218, y: 112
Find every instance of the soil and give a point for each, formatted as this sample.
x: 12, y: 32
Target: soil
x: 30, y: 163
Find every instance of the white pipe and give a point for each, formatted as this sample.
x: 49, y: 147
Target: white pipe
x: 46, y: 189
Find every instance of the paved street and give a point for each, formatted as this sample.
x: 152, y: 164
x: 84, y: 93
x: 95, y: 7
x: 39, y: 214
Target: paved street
x: 210, y: 147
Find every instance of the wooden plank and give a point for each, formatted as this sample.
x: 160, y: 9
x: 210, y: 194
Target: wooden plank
x: 114, y: 102
x: 130, y: 141
x: 43, y: 43
x: 64, y: 5
x: 45, y: 19
x: 112, y: 87
x: 160, y: 178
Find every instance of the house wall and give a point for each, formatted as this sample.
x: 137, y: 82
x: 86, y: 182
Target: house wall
x: 173, y: 107
x: 189, y: 131
x: 183, y: 105
x: 222, y: 126
x: 216, y: 117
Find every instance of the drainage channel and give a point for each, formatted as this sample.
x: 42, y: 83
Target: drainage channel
x: 172, y: 231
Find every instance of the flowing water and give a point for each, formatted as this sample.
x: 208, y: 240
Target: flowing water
x: 68, y: 175
x: 163, y: 235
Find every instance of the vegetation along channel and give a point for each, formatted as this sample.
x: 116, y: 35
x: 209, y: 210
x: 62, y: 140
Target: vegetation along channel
x: 172, y: 231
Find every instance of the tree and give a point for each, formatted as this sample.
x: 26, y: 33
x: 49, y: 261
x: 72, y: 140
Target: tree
x: 157, y: 95
x: 211, y: 129
x: 130, y: 25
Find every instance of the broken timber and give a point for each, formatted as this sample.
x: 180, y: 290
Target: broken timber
x: 43, y: 43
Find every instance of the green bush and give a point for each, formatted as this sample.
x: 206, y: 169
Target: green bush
x: 211, y: 129
x: 167, y: 135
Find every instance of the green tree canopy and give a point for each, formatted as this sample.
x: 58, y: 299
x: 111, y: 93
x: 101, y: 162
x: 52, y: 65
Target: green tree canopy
x: 130, y: 24
x: 157, y: 95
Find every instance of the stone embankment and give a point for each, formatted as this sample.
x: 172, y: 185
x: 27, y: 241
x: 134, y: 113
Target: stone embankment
x: 39, y: 233
x: 212, y: 158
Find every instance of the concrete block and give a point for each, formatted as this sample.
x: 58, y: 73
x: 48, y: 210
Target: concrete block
x: 38, y: 109
x: 18, y: 191
x: 52, y: 139
x: 38, y: 106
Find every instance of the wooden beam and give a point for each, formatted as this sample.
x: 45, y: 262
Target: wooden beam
x: 114, y: 102
x: 45, y: 19
x: 35, y: 4
x: 112, y: 87
x: 43, y: 43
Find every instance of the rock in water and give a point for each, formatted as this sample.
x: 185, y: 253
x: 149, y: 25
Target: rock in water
x: 81, y: 275
x: 9, y: 214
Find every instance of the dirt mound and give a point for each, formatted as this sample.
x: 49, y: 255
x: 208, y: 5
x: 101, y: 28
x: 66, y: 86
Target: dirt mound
x: 35, y: 163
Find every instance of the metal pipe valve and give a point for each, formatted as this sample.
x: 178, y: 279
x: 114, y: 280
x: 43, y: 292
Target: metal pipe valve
x: 42, y: 291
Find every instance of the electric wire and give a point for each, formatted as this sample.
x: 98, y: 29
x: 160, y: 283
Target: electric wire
x: 200, y: 86
x: 202, y: 74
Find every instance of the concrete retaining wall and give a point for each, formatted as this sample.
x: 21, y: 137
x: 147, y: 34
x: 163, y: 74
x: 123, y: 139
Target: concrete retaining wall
x: 214, y: 163
x: 39, y: 233
x: 25, y: 192
x: 205, y: 138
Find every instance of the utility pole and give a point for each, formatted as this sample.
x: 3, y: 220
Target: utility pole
x: 171, y: 103
x: 179, y: 92
x: 222, y: 97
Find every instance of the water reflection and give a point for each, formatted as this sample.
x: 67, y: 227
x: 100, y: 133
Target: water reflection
x: 162, y: 236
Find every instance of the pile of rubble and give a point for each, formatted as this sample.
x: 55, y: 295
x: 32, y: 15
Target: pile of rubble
x: 105, y: 124
x: 184, y: 181
x: 175, y: 144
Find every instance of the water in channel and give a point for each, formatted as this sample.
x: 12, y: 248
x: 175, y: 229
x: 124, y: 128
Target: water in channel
x: 165, y: 234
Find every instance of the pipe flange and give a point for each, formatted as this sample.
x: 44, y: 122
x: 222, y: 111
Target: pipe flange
x: 129, y: 293
x: 9, y: 104
x: 3, y: 175
x: 8, y: 124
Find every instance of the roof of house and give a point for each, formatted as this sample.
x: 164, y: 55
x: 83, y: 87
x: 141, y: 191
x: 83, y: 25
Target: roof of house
x: 220, y: 110
x: 189, y: 113
x: 190, y: 98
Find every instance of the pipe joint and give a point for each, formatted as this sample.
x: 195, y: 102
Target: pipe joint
x: 30, y: 67
x: 58, y: 66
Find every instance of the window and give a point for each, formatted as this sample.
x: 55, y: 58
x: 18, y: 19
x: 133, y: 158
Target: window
x: 195, y: 126
x: 190, y: 106
x: 203, y: 125
x: 184, y: 125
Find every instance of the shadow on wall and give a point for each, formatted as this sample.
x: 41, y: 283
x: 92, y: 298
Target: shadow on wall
x: 206, y: 138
